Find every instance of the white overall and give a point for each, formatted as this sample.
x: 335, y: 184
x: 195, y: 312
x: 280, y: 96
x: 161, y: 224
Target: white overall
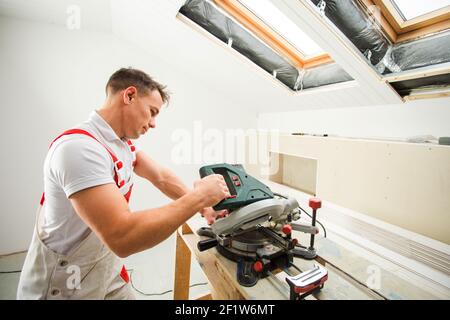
x: 91, y: 271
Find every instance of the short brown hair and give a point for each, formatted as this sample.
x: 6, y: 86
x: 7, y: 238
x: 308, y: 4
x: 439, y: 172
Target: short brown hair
x: 126, y: 77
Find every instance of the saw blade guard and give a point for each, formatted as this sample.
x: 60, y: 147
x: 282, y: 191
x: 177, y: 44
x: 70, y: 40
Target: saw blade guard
x: 254, y: 214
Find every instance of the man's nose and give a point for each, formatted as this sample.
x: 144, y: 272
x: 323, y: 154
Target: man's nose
x: 152, y: 123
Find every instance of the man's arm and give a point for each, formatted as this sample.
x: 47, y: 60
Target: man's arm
x: 161, y: 177
x: 166, y: 181
x: 125, y: 232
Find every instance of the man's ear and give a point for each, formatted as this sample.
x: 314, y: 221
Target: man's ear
x: 129, y: 94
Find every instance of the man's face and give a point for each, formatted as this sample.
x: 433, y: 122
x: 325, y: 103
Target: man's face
x: 141, y: 112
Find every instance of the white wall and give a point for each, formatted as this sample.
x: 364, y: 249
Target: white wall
x: 400, y: 189
x: 421, y: 117
x: 51, y: 79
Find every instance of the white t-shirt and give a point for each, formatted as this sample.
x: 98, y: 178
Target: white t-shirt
x: 73, y: 163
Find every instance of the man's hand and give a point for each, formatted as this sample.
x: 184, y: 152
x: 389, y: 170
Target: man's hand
x: 210, y: 214
x: 212, y: 189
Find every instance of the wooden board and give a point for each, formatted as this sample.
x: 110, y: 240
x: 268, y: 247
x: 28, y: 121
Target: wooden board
x: 390, y: 286
x: 183, y: 270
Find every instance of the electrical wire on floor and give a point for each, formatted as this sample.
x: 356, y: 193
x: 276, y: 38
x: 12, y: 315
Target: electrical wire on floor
x: 160, y: 293
x: 324, y: 230
x: 14, y: 271
x: 131, y: 282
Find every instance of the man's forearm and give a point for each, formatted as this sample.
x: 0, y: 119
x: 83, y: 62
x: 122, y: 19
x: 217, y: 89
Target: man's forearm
x: 162, y: 178
x: 172, y: 186
x: 149, y: 227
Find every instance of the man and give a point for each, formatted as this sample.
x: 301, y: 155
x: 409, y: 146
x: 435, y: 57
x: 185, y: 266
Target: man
x: 84, y: 223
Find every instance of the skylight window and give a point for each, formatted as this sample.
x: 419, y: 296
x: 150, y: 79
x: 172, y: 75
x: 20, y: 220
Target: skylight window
x: 281, y: 24
x: 411, y: 9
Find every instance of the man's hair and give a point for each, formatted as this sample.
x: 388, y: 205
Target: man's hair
x: 126, y: 77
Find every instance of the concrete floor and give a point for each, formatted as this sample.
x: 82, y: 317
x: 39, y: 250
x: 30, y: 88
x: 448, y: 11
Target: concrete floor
x: 152, y: 272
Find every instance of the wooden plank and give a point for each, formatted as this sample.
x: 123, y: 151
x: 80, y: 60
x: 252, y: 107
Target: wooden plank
x: 317, y: 60
x: 338, y: 286
x: 185, y: 229
x: 257, y: 27
x: 362, y: 271
x: 437, y: 27
x: 426, y: 20
x: 207, y: 296
x: 405, y: 30
x: 381, y: 19
x: 223, y: 283
x: 428, y: 96
x: 254, y: 24
x: 390, y: 14
x: 182, y: 269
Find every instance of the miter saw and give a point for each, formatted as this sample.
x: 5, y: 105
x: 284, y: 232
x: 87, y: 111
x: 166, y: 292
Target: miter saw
x: 257, y: 232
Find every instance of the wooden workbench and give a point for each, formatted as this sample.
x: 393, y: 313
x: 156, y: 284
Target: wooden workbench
x: 347, y: 273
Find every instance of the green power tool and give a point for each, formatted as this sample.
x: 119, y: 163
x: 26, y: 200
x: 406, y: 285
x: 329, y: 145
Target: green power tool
x: 244, y: 189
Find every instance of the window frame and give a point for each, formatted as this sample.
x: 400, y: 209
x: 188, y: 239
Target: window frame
x: 389, y: 19
x: 268, y: 35
x: 398, y: 30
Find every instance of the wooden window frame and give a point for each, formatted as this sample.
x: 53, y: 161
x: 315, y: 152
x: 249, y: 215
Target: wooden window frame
x: 389, y: 19
x: 398, y: 30
x: 254, y: 24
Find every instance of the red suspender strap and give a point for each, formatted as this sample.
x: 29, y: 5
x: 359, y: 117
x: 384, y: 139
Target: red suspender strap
x: 113, y: 157
x: 132, y: 147
x: 124, y: 274
x: 42, y: 199
x: 128, y: 194
x: 84, y: 132
x: 133, y: 151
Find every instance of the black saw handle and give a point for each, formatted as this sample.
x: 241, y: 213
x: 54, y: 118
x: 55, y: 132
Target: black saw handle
x: 206, y: 244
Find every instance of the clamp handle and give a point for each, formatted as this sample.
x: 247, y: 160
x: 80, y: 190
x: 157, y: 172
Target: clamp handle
x: 314, y: 203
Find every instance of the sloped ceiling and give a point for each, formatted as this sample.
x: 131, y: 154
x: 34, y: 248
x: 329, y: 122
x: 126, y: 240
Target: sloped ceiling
x: 153, y: 26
